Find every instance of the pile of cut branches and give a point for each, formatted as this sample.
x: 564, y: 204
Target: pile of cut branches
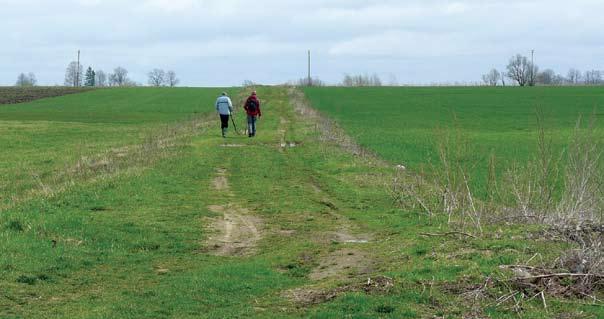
x: 533, y: 281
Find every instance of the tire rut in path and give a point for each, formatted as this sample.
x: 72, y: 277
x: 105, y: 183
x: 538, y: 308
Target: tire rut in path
x: 236, y: 232
x: 348, y: 261
x: 351, y: 266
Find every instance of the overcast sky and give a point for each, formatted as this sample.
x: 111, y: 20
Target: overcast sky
x: 224, y: 42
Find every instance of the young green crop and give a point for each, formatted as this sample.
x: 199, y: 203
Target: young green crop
x: 405, y: 124
x: 40, y: 139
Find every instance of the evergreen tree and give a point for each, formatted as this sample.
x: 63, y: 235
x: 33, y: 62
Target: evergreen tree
x: 90, y: 77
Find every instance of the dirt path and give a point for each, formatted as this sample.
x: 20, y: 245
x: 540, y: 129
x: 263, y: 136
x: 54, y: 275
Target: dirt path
x: 237, y: 231
x: 351, y: 260
x: 344, y: 263
x: 348, y: 266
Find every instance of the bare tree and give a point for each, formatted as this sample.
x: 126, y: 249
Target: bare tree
x: 347, y: 81
x: 502, y: 78
x: 100, y: 78
x: 375, y: 80
x: 313, y: 82
x: 32, y: 79
x: 558, y: 80
x: 73, y: 74
x: 119, y: 77
x: 171, y: 79
x: 546, y: 77
x: 111, y: 80
x: 24, y: 80
x: 361, y: 80
x: 574, y: 76
x: 491, y: 78
x: 593, y: 77
x: 249, y: 83
x: 157, y: 77
x: 519, y: 69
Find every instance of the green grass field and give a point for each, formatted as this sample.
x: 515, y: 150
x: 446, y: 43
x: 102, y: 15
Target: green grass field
x: 39, y: 139
x: 402, y: 124
x: 230, y: 228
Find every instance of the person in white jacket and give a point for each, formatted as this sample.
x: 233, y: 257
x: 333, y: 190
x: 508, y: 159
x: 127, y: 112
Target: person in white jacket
x: 224, y: 107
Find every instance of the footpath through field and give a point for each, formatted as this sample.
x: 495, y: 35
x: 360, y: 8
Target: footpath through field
x: 290, y: 200
x: 288, y: 224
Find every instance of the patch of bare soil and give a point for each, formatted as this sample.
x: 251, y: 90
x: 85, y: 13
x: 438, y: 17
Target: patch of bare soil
x: 306, y: 296
x: 344, y: 233
x: 235, y: 232
x: 347, y: 233
x: 283, y: 142
x: 282, y: 132
x: 344, y: 236
x: 342, y: 264
x: 220, y: 182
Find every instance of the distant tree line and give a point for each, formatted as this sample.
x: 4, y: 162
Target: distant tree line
x: 249, y: 83
x: 521, y: 71
x: 361, y: 80
x: 159, y: 77
x: 309, y: 82
x: 119, y: 77
x: 348, y: 80
x: 75, y: 76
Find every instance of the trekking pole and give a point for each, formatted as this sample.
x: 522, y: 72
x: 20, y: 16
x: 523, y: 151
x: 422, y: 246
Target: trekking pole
x: 235, y: 126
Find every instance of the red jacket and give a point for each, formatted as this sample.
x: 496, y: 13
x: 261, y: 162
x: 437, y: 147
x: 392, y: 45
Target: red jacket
x: 249, y: 112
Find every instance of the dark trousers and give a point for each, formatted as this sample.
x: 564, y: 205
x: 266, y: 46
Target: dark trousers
x: 224, y: 121
x: 251, y: 124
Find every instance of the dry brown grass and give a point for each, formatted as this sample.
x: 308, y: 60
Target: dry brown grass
x: 562, y: 192
x: 445, y: 188
x: 328, y: 130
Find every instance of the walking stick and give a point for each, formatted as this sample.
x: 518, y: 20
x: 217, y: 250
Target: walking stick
x: 235, y: 126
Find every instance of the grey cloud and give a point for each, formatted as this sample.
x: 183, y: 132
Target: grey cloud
x: 411, y: 39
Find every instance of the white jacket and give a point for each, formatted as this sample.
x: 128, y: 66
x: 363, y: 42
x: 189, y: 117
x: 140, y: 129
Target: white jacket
x: 224, y: 105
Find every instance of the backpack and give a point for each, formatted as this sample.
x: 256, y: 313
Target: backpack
x: 252, y: 105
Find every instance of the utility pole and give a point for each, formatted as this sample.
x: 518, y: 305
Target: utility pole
x: 309, y: 78
x: 77, y: 77
x: 532, y: 67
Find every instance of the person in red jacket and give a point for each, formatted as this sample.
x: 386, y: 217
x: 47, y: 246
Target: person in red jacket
x: 252, y: 108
